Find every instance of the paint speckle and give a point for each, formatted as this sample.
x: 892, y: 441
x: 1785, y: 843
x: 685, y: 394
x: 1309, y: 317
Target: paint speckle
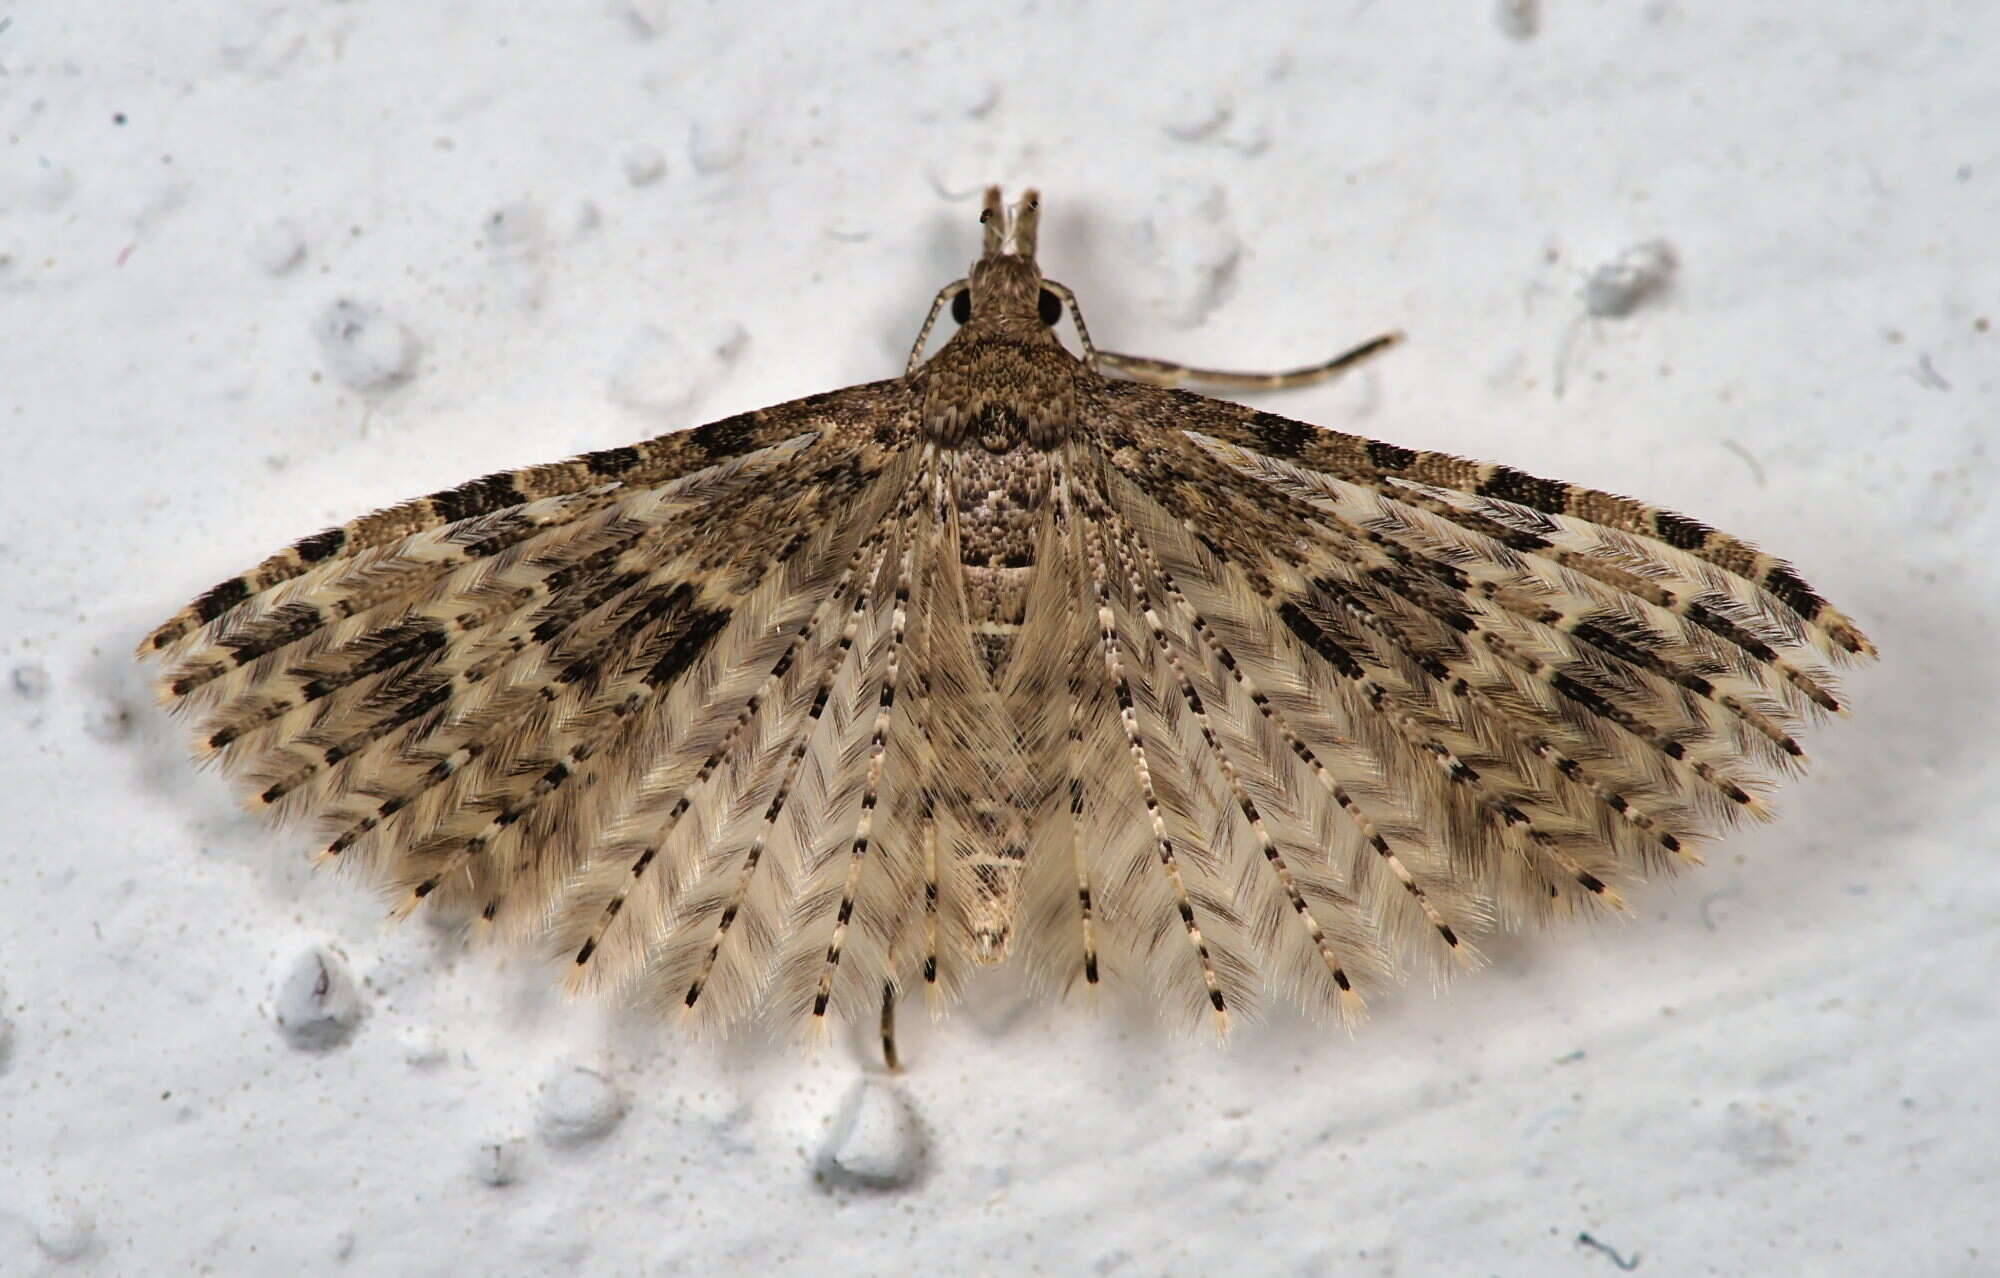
x: 515, y: 229
x: 974, y: 97
x: 875, y: 1143
x: 1205, y: 116
x: 108, y: 722
x: 497, y: 1162
x: 643, y: 164
x: 49, y: 186
x: 364, y: 348
x: 424, y: 1049
x: 517, y: 236
x: 665, y: 372
x: 1191, y: 248
x: 1195, y: 115
x: 645, y: 19
x: 315, y: 1001
x: 66, y: 1228
x: 1759, y: 1136
x: 714, y: 146
x: 1615, y: 1256
x: 30, y: 681
x: 1927, y: 375
x: 277, y: 248
x: 583, y: 220
x: 576, y: 1106
x: 1616, y: 289
x: 1518, y: 19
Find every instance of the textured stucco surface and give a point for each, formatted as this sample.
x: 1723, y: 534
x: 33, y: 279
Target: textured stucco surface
x: 263, y: 266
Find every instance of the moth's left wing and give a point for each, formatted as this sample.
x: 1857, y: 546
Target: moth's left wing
x: 515, y: 505
x: 458, y: 705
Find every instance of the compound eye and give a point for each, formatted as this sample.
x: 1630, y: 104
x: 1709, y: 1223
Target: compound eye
x: 961, y: 307
x: 1051, y: 308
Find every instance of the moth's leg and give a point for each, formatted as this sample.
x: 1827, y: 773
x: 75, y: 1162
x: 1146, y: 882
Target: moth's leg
x: 1160, y: 372
x: 945, y: 296
x: 890, y: 1060
x: 1092, y: 357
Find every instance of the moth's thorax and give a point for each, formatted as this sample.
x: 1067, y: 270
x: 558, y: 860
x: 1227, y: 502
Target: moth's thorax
x: 999, y: 391
x: 1002, y: 381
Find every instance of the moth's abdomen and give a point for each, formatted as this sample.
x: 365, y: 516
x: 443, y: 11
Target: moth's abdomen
x: 1000, y: 498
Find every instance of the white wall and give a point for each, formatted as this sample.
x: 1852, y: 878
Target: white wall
x: 1781, y: 1065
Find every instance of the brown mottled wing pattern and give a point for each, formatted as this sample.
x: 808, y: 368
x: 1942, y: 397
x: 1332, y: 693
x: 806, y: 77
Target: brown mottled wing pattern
x: 477, y: 693
x: 1374, y: 700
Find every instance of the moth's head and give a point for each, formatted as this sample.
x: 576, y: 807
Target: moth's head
x: 1004, y: 287
x: 1003, y: 381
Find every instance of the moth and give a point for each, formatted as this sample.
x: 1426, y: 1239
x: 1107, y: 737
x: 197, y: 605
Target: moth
x: 1022, y: 655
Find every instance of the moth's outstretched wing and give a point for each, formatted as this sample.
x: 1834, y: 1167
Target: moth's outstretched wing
x: 1082, y: 806
x: 1213, y: 831
x: 524, y: 494
x: 1655, y: 555
x: 833, y: 845
x: 732, y: 847
x: 461, y: 705
x: 1509, y: 721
